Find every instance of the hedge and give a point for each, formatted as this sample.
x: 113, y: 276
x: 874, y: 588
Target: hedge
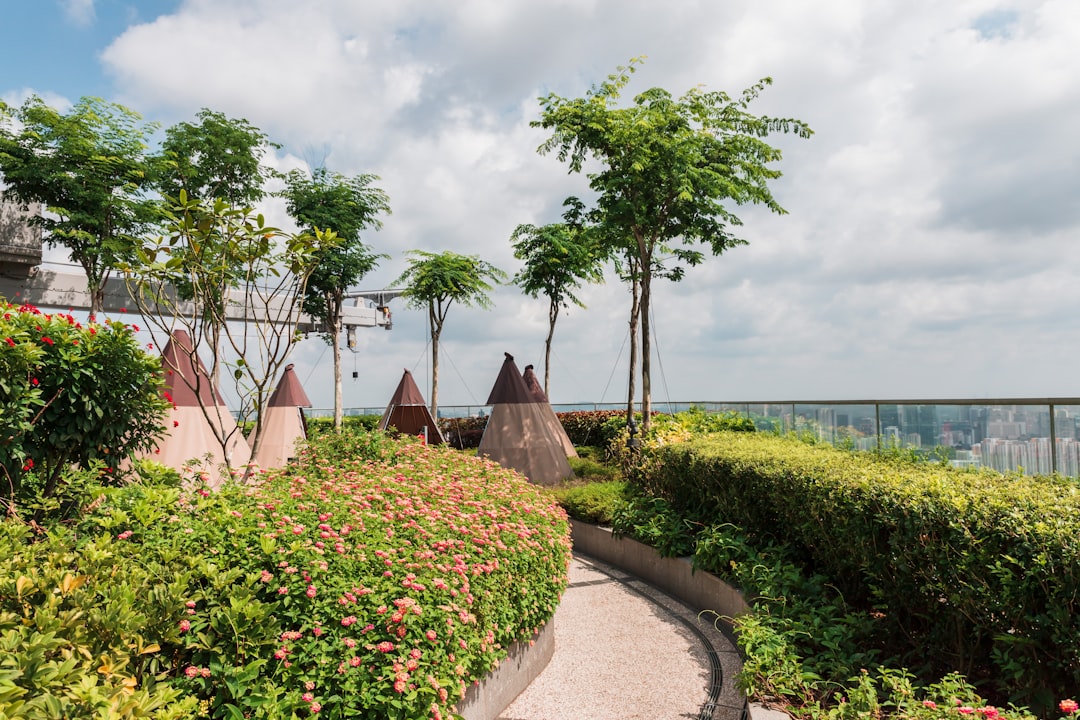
x: 975, y: 572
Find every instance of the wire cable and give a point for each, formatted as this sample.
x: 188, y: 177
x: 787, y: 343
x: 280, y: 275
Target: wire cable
x: 616, y: 365
x: 659, y: 361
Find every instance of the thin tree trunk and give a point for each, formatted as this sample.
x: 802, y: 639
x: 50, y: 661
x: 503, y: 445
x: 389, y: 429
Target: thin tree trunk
x: 334, y: 305
x: 436, y: 330
x: 553, y: 315
x: 634, y: 312
x: 646, y: 351
x: 645, y: 251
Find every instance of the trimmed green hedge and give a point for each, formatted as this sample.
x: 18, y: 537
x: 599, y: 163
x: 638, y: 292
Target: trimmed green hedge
x: 972, y: 571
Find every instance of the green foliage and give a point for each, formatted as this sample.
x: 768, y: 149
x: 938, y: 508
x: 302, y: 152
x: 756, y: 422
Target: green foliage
x: 594, y: 502
x: 89, y: 169
x: 350, y: 423
x: 463, y: 433
x: 592, y: 465
x: 217, y: 158
x: 71, y: 394
x: 592, y: 427
x: 229, y: 263
x: 667, y: 171
x: 374, y: 579
x: 434, y: 282
x: 653, y: 521
x: 329, y: 200
x: 84, y: 622
x: 968, y: 571
x: 558, y: 258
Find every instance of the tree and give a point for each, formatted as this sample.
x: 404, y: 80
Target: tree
x: 558, y: 258
x: 435, y: 281
x: 232, y: 264
x: 666, y: 169
x: 89, y: 169
x: 329, y: 200
x: 219, y: 157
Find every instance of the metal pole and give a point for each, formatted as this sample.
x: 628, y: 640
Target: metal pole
x: 1053, y: 440
x: 877, y: 424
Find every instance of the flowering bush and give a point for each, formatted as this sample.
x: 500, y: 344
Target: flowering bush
x: 71, y: 394
x: 376, y: 586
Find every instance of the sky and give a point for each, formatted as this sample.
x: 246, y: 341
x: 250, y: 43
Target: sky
x: 928, y: 250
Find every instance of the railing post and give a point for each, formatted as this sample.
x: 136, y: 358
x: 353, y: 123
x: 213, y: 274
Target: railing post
x: 1053, y: 440
x: 877, y: 424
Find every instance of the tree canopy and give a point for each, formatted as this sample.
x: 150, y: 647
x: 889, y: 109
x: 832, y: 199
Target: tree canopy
x: 89, y: 168
x: 668, y: 170
x: 558, y: 258
x: 216, y: 158
x: 346, y: 205
x: 434, y: 281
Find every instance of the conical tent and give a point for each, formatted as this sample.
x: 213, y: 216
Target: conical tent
x: 283, y: 422
x: 518, y: 435
x: 189, y: 433
x: 541, y: 399
x: 408, y: 413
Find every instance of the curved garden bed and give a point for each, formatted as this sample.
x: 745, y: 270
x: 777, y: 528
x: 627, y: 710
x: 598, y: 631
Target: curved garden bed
x: 374, y: 579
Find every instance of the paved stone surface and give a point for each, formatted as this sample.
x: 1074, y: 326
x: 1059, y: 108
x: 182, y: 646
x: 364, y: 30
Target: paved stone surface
x: 624, y: 650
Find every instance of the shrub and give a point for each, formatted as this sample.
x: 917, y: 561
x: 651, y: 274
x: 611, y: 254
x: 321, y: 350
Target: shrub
x: 592, y: 427
x: 973, y: 571
x: 320, y: 425
x: 71, y: 394
x: 463, y: 433
x: 595, y: 502
x: 374, y: 579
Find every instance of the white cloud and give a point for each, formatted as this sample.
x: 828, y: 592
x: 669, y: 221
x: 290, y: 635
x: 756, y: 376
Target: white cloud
x: 931, y: 215
x: 79, y: 12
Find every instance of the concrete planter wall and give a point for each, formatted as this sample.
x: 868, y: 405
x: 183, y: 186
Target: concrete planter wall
x: 524, y: 661
x: 675, y: 576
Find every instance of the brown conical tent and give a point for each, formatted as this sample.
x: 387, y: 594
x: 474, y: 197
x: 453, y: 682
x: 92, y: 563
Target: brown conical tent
x: 541, y: 399
x: 189, y: 433
x: 408, y: 413
x: 283, y: 422
x: 517, y: 434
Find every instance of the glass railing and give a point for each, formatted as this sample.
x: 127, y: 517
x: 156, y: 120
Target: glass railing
x: 1033, y: 436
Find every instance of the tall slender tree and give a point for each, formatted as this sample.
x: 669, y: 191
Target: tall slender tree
x: 558, y: 258
x: 89, y: 168
x: 232, y: 262
x: 329, y: 200
x: 668, y: 168
x: 435, y: 281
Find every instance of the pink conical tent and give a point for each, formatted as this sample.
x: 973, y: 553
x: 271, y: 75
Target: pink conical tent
x: 541, y: 399
x: 518, y: 435
x: 408, y: 413
x: 283, y: 422
x: 189, y: 434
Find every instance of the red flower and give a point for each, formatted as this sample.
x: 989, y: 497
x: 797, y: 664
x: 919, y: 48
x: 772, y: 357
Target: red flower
x: 47, y: 340
x: 175, y: 423
x: 10, y: 342
x: 1068, y: 706
x: 35, y: 382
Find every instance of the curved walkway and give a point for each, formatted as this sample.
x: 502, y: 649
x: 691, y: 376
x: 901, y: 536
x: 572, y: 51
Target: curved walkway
x: 624, y: 649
